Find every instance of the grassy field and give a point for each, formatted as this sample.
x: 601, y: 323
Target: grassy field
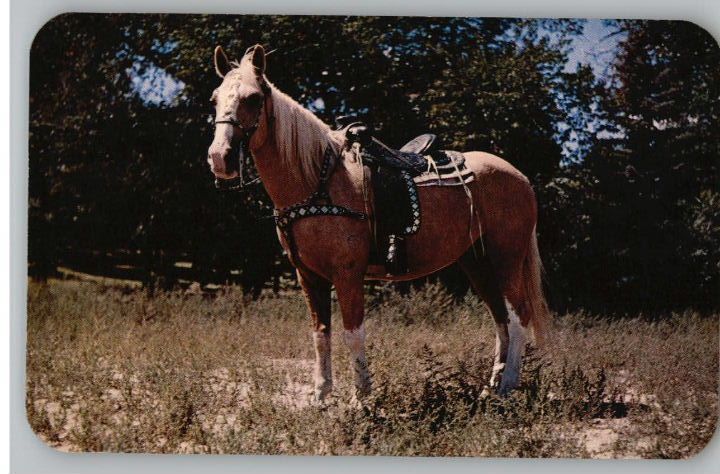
x: 110, y: 369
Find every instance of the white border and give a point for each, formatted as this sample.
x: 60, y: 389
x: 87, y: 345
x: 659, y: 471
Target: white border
x: 30, y: 455
x: 5, y: 237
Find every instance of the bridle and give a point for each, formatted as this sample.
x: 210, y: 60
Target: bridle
x: 239, y: 183
x: 319, y: 203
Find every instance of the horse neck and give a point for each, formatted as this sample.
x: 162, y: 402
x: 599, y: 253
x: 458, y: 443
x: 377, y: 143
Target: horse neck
x: 283, y: 187
x: 284, y: 184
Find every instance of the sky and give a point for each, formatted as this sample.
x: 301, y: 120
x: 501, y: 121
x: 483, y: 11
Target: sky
x: 593, y: 47
x: 596, y: 47
x: 154, y: 85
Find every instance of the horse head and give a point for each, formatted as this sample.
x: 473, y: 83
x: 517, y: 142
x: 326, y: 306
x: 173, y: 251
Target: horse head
x: 239, y: 102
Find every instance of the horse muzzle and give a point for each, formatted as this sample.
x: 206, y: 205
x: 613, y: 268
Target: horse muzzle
x: 224, y: 161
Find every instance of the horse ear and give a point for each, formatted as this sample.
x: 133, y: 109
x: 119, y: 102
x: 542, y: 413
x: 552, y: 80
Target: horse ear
x: 222, y: 63
x: 258, y: 60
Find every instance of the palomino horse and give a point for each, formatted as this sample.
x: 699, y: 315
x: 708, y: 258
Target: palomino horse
x: 489, y: 231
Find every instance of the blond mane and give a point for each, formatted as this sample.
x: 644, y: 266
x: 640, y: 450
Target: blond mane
x: 301, y: 138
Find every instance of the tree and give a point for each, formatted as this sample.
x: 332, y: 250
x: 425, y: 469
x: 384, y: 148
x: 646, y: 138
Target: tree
x: 656, y: 168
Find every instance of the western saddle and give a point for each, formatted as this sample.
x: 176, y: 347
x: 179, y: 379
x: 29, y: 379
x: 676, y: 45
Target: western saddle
x: 410, y: 157
x: 397, y: 205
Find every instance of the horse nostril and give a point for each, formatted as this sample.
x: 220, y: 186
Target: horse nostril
x: 220, y: 158
x: 216, y: 161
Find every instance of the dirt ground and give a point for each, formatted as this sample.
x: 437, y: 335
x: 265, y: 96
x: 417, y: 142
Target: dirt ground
x: 111, y: 369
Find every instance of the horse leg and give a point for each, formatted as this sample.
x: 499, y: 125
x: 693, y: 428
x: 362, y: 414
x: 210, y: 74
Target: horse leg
x: 484, y: 283
x: 519, y: 311
x: 350, y: 296
x: 517, y: 331
x: 317, y: 295
x: 525, y: 304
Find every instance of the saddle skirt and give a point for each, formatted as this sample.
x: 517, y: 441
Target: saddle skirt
x: 449, y: 172
x: 396, y: 175
x: 425, y: 164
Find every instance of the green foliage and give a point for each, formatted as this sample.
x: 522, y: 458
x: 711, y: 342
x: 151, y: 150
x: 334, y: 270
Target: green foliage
x: 627, y: 219
x: 647, y: 186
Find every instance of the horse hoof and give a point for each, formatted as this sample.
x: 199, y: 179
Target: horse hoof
x: 321, y: 393
x: 357, y: 402
x: 362, y: 390
x: 320, y: 403
x: 505, y: 388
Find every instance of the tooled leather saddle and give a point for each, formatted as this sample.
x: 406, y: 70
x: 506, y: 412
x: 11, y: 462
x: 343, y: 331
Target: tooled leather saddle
x: 394, y: 174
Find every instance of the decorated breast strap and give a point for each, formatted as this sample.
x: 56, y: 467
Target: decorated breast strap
x: 318, y: 203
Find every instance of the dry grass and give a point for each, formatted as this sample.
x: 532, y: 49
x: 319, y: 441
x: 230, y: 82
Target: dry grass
x: 110, y: 369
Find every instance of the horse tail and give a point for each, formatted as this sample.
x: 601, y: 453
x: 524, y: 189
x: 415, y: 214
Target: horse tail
x: 541, y: 317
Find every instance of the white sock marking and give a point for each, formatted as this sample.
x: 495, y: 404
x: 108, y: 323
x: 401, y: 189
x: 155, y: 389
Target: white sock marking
x: 516, y: 350
x: 355, y: 340
x: 323, y: 364
x: 501, y: 350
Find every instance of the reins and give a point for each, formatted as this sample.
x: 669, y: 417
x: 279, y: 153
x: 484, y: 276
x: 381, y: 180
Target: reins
x: 319, y: 203
x: 239, y: 183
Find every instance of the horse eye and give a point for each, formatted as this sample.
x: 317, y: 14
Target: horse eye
x: 254, y: 100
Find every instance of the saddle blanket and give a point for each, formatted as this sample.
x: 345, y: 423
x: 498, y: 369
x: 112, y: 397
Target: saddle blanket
x: 452, y: 173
